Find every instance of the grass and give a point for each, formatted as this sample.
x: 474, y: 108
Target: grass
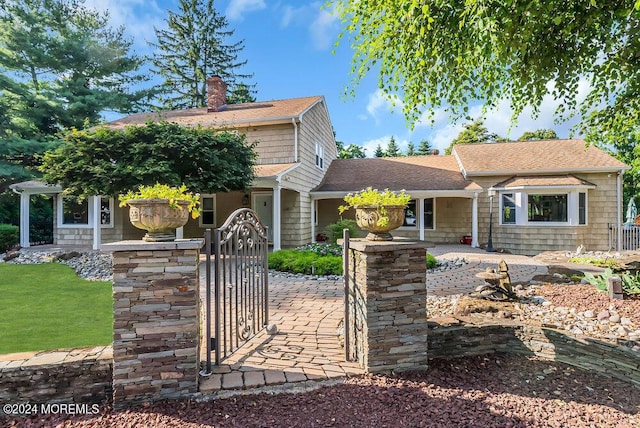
x: 47, y: 306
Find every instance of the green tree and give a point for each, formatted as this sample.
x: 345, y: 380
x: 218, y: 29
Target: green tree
x: 411, y: 150
x: 473, y: 133
x: 104, y: 161
x: 379, y: 153
x: 62, y: 66
x: 392, y: 149
x: 448, y: 54
x: 539, y: 134
x: 194, y: 47
x: 628, y: 151
x: 352, y: 151
x: 424, y: 148
x: 241, y: 94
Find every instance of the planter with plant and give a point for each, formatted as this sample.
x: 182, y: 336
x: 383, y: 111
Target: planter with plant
x: 160, y: 209
x: 376, y: 211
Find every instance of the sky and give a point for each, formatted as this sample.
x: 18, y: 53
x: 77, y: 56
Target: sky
x: 290, y: 49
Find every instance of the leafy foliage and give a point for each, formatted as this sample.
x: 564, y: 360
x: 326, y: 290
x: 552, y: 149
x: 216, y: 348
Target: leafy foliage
x: 104, y: 161
x: 8, y: 236
x: 306, y: 262
x: 444, y: 54
x: 163, y: 191
x: 608, y: 263
x: 432, y: 262
x: 630, y: 283
x: 539, y: 134
x: 473, y: 133
x: 193, y: 48
x: 352, y: 151
x: 322, y: 249
x: 335, y: 230
x: 61, y: 66
x: 375, y: 198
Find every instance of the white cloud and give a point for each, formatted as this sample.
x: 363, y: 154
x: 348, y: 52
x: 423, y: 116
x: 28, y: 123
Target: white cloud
x: 378, y: 101
x: 238, y: 8
x: 288, y: 13
x: 323, y: 29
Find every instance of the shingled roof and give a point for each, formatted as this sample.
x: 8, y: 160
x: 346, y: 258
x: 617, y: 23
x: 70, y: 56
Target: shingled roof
x: 408, y: 173
x: 539, y: 157
x: 231, y: 115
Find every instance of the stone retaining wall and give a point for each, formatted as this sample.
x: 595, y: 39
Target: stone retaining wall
x: 452, y: 338
x: 64, y: 376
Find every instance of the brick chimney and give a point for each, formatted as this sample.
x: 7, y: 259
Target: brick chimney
x: 216, y: 93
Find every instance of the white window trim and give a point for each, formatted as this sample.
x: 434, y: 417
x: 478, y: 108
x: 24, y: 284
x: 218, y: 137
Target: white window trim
x: 215, y: 210
x: 90, y: 215
x: 319, y: 158
x: 522, y: 207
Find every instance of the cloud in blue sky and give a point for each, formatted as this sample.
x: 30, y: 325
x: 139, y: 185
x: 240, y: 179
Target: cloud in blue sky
x: 238, y: 8
x: 324, y: 28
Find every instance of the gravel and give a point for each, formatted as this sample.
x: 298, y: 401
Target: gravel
x: 90, y: 265
x: 491, y: 391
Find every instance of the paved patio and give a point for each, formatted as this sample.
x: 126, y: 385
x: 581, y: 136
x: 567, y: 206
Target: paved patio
x: 307, y: 313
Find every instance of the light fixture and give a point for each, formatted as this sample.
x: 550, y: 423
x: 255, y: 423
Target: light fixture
x: 245, y: 200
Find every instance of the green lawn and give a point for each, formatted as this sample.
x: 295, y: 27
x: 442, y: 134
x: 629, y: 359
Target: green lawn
x: 47, y: 306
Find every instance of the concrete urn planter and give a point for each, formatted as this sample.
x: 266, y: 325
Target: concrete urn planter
x: 158, y: 218
x: 367, y: 218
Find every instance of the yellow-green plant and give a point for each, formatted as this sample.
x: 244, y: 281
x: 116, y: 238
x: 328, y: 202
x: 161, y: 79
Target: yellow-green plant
x: 374, y: 198
x: 164, y: 191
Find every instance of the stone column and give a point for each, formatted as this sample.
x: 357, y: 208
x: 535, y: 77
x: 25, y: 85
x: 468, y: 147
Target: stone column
x: 389, y: 299
x: 156, y: 309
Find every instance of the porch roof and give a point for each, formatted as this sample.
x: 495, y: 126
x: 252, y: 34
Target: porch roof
x: 566, y: 180
x: 413, y: 173
x: 35, y: 187
x: 272, y: 170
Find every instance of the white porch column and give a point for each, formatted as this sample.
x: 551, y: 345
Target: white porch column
x: 24, y: 219
x: 420, y: 216
x: 96, y: 222
x: 276, y: 217
x: 314, y: 212
x: 474, y: 221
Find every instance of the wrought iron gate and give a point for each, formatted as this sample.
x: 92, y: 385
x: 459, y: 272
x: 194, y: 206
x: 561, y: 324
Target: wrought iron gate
x: 239, y: 284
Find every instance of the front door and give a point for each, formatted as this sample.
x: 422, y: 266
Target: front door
x: 263, y: 206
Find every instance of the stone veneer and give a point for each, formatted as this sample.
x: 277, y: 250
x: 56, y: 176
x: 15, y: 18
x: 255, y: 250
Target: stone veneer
x: 472, y: 335
x: 390, y: 294
x: 81, y: 375
x: 156, y: 337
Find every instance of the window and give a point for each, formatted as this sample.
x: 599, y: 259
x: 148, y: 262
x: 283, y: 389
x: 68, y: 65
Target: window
x: 410, y: 218
x: 582, y: 208
x: 319, y: 156
x: 106, y: 208
x: 429, y: 213
x: 208, y: 210
x: 508, y: 208
x: 547, y: 208
x: 74, y: 211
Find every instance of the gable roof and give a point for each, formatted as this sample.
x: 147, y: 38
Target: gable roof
x: 232, y: 115
x: 538, y: 157
x: 401, y: 173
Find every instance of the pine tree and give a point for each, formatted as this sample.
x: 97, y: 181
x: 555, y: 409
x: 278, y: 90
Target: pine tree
x: 392, y: 150
x: 193, y: 48
x: 411, y: 151
x: 379, y: 153
x: 424, y: 148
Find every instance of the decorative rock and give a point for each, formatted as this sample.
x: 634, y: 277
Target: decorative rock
x: 615, y: 318
x: 603, y: 315
x: 272, y: 329
x: 589, y: 314
x: 625, y: 321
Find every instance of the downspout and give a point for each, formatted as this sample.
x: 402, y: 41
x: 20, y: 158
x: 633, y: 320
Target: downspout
x: 619, y: 209
x: 295, y: 139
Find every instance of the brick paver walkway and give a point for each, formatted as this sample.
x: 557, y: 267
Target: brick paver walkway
x: 307, y: 313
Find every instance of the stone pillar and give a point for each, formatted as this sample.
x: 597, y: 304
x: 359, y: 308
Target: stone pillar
x: 156, y: 309
x: 388, y: 329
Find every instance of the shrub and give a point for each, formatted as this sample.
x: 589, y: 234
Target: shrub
x: 322, y: 249
x: 630, y: 283
x: 431, y: 261
x: 334, y: 230
x: 306, y: 262
x: 9, y: 237
x: 605, y: 263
